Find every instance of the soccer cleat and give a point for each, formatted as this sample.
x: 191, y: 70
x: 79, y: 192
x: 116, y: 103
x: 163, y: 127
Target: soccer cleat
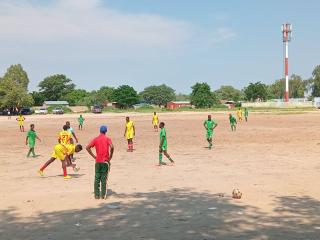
x: 67, y: 177
x: 41, y: 173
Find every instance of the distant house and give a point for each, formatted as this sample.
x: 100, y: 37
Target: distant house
x: 113, y: 105
x: 178, y: 104
x: 47, y: 104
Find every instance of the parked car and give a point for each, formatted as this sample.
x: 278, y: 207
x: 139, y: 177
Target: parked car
x: 97, y: 109
x: 58, y: 110
x: 41, y: 111
x: 26, y: 111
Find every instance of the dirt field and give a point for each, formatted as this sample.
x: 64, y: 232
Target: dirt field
x: 273, y: 159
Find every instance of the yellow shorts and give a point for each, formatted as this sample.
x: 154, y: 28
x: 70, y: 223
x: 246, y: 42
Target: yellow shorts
x: 155, y: 123
x: 129, y: 135
x: 59, y: 152
x: 20, y: 124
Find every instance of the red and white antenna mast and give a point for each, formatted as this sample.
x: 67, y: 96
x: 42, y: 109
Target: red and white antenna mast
x: 286, y: 33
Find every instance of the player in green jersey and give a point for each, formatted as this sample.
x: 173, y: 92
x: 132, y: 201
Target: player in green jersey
x: 233, y: 122
x: 209, y: 125
x: 31, y: 140
x: 163, y: 147
x: 80, y: 120
x: 246, y: 114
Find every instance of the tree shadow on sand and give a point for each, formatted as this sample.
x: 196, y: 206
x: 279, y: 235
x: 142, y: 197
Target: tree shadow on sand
x: 174, y: 214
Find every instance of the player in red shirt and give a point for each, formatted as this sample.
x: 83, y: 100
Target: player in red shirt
x: 104, y: 152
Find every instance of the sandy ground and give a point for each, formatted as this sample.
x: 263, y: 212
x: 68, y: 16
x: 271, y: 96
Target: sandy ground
x: 273, y: 159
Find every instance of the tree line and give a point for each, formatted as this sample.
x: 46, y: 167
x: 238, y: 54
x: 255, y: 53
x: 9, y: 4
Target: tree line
x: 14, y: 91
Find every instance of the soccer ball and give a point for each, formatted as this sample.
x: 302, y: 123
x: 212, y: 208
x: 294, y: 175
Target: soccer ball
x: 236, y: 194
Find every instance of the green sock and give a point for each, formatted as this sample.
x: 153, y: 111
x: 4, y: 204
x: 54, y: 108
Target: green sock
x: 160, y: 158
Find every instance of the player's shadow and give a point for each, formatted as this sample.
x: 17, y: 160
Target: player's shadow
x: 175, y: 214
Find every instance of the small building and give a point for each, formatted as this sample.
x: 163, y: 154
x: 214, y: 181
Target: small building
x: 178, y: 104
x: 113, y: 105
x: 47, y: 104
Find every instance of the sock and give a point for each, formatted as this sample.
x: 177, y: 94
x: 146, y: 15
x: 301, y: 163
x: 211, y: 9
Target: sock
x: 28, y: 155
x: 43, y: 168
x: 33, y: 153
x: 64, y: 171
x: 160, y: 157
x: 131, y: 146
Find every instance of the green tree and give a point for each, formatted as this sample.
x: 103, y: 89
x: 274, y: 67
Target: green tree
x: 76, y: 97
x: 158, y: 95
x: 38, y: 98
x: 228, y: 93
x: 316, y: 82
x: 17, y: 75
x: 256, y: 91
x: 297, y: 88
x: 13, y: 88
x: 103, y: 95
x: 201, y: 96
x: 14, y: 95
x: 276, y: 89
x: 125, y: 95
x: 182, y: 97
x: 56, y: 87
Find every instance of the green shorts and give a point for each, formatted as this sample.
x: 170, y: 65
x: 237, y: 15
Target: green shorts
x: 31, y: 144
x: 164, y: 147
x: 209, y: 134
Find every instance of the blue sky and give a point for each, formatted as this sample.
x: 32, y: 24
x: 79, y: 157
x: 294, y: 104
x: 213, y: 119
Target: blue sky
x: 145, y: 42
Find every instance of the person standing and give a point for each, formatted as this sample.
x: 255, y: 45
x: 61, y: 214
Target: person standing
x: 209, y: 125
x: 21, y: 120
x: 233, y: 122
x: 129, y: 133
x: 104, y: 153
x: 155, y: 121
x: 163, y: 147
x: 80, y: 120
x: 246, y: 114
x: 239, y: 114
x: 31, y: 140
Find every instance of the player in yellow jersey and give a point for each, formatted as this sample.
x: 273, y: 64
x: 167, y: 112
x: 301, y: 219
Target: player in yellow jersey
x: 129, y: 133
x: 62, y: 153
x: 20, y: 120
x: 155, y: 121
x: 65, y: 136
x: 239, y: 114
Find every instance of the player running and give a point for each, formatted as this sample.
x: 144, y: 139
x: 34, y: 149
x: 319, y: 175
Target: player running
x: 163, y: 147
x: 31, y: 140
x: 155, y: 121
x: 239, y: 114
x: 80, y: 120
x: 209, y: 125
x: 104, y: 152
x: 246, y: 114
x: 233, y: 122
x: 62, y: 153
x: 129, y: 133
x: 21, y: 120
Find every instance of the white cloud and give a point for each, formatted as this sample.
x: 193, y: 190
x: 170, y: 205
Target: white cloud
x: 85, y: 20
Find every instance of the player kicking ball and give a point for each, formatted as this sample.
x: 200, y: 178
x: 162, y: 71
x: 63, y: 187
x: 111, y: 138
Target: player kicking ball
x: 62, y: 153
x: 163, y: 147
x: 209, y: 125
